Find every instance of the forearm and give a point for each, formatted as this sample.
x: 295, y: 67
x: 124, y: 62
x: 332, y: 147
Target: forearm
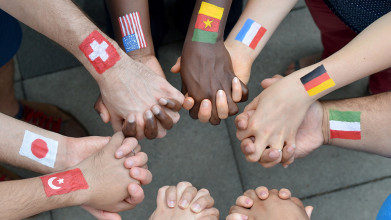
x: 265, y: 13
x: 359, y: 123
x: 122, y: 13
x: 60, y: 21
x: 23, y: 198
x: 12, y: 137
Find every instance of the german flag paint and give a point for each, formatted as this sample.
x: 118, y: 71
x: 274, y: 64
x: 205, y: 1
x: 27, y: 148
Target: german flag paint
x: 317, y: 81
x: 207, y: 23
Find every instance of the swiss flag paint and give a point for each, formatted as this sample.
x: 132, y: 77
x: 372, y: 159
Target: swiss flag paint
x: 39, y: 148
x: 64, y: 182
x: 99, y: 51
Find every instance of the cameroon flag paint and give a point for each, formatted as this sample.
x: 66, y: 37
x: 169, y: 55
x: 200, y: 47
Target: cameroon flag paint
x: 317, y: 81
x: 207, y: 23
x: 345, y: 124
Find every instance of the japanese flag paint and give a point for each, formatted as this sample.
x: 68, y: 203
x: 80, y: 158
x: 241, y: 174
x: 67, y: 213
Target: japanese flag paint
x: 64, y: 182
x: 39, y: 148
x: 99, y: 51
x: 251, y: 33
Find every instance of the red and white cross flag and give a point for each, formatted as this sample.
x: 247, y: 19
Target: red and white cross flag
x: 39, y: 148
x: 99, y: 51
x: 64, y: 182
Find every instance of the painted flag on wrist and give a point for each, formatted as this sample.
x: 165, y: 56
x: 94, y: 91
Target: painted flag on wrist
x: 39, y: 148
x: 317, y: 81
x: 64, y: 182
x: 345, y: 124
x: 99, y: 51
x: 207, y: 23
x: 251, y: 33
x: 132, y: 32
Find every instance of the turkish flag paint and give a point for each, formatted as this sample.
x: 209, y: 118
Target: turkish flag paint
x: 99, y: 51
x: 64, y: 182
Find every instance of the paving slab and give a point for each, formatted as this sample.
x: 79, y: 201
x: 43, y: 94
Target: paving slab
x: 359, y: 203
x: 328, y: 168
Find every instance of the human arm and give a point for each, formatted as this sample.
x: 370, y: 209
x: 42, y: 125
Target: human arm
x: 127, y: 87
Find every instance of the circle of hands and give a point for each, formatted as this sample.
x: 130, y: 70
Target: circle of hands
x: 153, y: 108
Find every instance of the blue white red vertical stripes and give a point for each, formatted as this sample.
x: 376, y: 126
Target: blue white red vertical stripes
x: 132, y: 32
x: 251, y: 33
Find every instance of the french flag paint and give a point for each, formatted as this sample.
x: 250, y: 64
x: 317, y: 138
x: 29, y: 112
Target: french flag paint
x: 251, y: 33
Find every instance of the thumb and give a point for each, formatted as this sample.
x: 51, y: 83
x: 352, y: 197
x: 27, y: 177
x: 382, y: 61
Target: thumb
x: 115, y: 142
x: 101, y: 109
x: 308, y: 210
x: 269, y: 81
x: 177, y: 66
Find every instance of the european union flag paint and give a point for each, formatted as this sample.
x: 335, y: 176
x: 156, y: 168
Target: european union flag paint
x: 130, y: 43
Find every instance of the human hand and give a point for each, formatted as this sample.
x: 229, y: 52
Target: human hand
x: 309, y: 135
x: 184, y: 202
x: 207, y: 73
x: 120, y: 192
x: 268, y: 204
x: 128, y: 99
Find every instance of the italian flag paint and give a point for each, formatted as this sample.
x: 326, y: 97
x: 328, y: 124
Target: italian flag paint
x: 345, y: 124
x: 207, y: 23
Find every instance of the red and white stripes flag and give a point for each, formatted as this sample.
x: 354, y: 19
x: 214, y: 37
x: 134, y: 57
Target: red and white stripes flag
x: 130, y: 24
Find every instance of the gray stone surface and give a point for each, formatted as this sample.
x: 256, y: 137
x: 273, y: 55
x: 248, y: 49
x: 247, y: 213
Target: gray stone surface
x: 17, y: 76
x: 359, y: 203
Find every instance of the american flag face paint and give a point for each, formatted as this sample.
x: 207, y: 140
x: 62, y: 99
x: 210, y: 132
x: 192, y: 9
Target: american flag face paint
x: 132, y: 32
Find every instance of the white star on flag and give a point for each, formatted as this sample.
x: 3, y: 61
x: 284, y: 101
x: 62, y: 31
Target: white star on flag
x: 60, y: 181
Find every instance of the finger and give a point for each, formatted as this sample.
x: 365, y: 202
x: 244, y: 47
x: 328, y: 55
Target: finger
x: 284, y: 194
x: 244, y: 92
x: 288, y: 153
x: 251, y: 194
x: 233, y: 108
x: 126, y: 147
x: 308, y: 210
x: 184, y: 88
x: 129, y: 127
x: 236, y: 216
x: 270, y: 81
x: 241, y: 121
x: 140, y: 174
x: 162, y: 116
x: 221, y: 104
x: 236, y: 90
x: 161, y: 197
x: 188, y: 103
x: 102, y: 215
x: 244, y: 202
x: 136, y: 194
x: 150, y: 129
x: 202, y: 201
x: 171, y: 196
x: 171, y: 104
x: 211, y: 212
x: 139, y: 160
x: 205, y: 111
x: 193, y: 112
x: 247, y: 146
x: 262, y: 192
x: 259, y: 148
x: 177, y: 66
x: 253, y: 104
x: 187, y: 196
x: 214, y: 118
x: 136, y: 150
x: 101, y: 109
x: 116, y: 123
x: 270, y: 157
x: 209, y: 217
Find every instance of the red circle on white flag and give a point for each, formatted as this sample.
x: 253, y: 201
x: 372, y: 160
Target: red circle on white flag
x: 39, y: 148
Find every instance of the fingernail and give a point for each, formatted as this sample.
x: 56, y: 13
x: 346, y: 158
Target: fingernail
x: 244, y: 217
x: 184, y: 203
x: 220, y: 92
x: 155, y: 110
x: 294, y: 145
x: 290, y: 149
x: 163, y: 101
x: 205, y: 104
x: 148, y: 114
x: 196, y: 208
x: 131, y: 119
x: 171, y: 204
x: 130, y: 163
x: 102, y: 117
x: 283, y: 193
x: 119, y: 154
x: 274, y: 154
x: 263, y: 194
x: 248, y: 201
x: 136, y: 172
x: 241, y: 124
x: 249, y: 150
x: 279, y: 150
x: 236, y: 80
x: 286, y: 166
x: 133, y: 189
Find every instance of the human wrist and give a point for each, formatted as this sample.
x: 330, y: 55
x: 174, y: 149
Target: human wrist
x: 325, y: 124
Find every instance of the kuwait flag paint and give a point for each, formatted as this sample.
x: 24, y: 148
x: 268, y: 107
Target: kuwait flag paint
x: 251, y: 33
x: 64, y: 182
x: 317, y: 81
x: 345, y: 125
x: 39, y: 148
x: 207, y: 23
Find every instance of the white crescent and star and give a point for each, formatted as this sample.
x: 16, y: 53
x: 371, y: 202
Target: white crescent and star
x: 50, y: 183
